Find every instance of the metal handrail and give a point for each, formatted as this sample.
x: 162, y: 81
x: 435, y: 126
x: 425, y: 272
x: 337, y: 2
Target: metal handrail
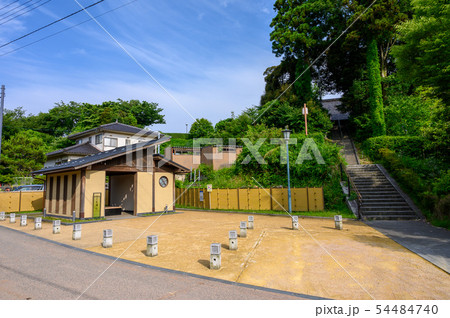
x: 351, y: 185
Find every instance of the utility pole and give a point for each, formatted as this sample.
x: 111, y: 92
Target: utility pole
x: 2, y: 103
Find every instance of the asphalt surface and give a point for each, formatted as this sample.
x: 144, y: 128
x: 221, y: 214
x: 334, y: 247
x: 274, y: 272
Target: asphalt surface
x: 430, y: 242
x: 35, y: 268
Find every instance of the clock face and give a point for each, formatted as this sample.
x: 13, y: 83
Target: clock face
x: 163, y: 182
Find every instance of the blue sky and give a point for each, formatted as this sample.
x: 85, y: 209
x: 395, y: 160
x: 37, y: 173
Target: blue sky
x: 209, y: 55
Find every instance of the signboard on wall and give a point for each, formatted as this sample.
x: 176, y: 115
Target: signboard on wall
x: 209, y: 187
x: 97, y: 204
x: 201, y: 195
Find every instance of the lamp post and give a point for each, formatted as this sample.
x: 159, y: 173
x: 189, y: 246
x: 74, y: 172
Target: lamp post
x: 286, y: 134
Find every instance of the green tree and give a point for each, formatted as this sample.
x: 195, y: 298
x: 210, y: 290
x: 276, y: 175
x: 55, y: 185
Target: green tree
x: 375, y: 91
x: 22, y: 154
x: 201, y: 128
x: 423, y: 55
x: 133, y: 112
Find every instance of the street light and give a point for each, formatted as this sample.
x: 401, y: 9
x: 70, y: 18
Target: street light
x: 286, y: 134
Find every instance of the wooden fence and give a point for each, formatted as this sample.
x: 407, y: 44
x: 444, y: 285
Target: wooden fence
x: 21, y: 201
x: 302, y: 199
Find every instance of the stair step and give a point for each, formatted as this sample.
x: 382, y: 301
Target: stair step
x: 384, y: 203
x: 389, y: 217
x: 404, y: 213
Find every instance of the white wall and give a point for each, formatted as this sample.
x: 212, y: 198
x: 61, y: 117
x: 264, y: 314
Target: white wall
x: 121, y: 192
x: 121, y: 140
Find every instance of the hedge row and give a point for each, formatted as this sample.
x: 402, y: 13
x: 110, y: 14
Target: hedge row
x: 411, y: 146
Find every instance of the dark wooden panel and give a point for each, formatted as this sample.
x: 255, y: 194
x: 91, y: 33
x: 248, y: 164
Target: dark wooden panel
x: 65, y: 189
x: 74, y: 191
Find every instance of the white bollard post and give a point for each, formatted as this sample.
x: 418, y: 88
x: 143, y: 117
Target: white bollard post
x: 243, y: 228
x: 23, y: 220
x: 295, y: 222
x: 38, y: 223
x: 2, y: 216
x: 152, y: 245
x: 12, y: 218
x: 233, y: 240
x: 56, y: 226
x: 107, y: 238
x: 215, y: 260
x: 250, y: 222
x: 338, y: 222
x: 76, y: 234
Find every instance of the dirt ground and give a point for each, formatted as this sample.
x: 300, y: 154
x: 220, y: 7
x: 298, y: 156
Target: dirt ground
x: 355, y: 263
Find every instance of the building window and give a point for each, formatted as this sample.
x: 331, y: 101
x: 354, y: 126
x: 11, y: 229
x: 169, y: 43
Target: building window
x: 90, y: 140
x: 98, y: 139
x: 127, y: 141
x: 110, y: 142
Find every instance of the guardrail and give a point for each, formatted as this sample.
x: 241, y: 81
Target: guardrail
x: 351, y: 187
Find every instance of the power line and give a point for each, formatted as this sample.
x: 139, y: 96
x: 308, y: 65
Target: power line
x: 46, y: 26
x: 20, y: 5
x: 26, y: 11
x: 71, y: 27
x: 8, y: 5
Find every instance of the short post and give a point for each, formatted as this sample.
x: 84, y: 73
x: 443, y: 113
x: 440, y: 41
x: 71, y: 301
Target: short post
x: 152, y: 246
x: 2, y: 216
x: 250, y: 222
x: 23, y: 220
x: 56, y: 226
x: 243, y: 228
x: 338, y: 222
x: 12, y: 218
x: 38, y: 223
x: 76, y: 234
x: 74, y: 216
x: 107, y: 238
x: 295, y: 222
x: 45, y: 212
x: 233, y: 240
x: 215, y: 260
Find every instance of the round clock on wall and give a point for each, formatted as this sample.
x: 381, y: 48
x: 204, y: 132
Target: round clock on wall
x: 163, y: 182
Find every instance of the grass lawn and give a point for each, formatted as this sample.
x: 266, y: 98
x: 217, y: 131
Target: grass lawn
x: 345, y: 213
x: 24, y: 212
x: 49, y: 218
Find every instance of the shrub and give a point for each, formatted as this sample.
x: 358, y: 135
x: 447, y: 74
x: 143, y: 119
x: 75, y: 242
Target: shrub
x: 411, y: 146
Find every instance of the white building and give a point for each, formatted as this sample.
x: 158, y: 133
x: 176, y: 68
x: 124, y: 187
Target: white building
x: 103, y: 138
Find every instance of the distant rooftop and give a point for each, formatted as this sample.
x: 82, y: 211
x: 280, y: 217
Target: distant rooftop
x: 331, y: 106
x: 83, y: 149
x: 115, y: 127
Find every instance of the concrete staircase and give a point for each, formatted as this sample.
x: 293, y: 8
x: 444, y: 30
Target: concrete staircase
x: 381, y: 199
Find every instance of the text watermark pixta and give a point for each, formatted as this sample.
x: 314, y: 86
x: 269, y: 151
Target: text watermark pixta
x: 308, y: 147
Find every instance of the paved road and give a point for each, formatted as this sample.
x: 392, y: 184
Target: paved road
x: 35, y: 268
x: 430, y: 242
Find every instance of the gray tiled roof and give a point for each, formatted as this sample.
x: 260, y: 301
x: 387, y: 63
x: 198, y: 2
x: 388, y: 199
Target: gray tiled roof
x: 115, y: 127
x: 80, y: 149
x: 101, y: 156
x: 331, y: 105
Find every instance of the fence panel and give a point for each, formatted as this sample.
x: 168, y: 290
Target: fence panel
x: 243, y: 199
x: 279, y: 197
x: 315, y: 199
x: 299, y: 199
x: 303, y: 199
x: 21, y: 201
x: 233, y: 199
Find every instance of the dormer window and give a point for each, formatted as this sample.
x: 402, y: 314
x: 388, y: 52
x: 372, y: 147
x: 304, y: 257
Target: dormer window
x: 98, y: 139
